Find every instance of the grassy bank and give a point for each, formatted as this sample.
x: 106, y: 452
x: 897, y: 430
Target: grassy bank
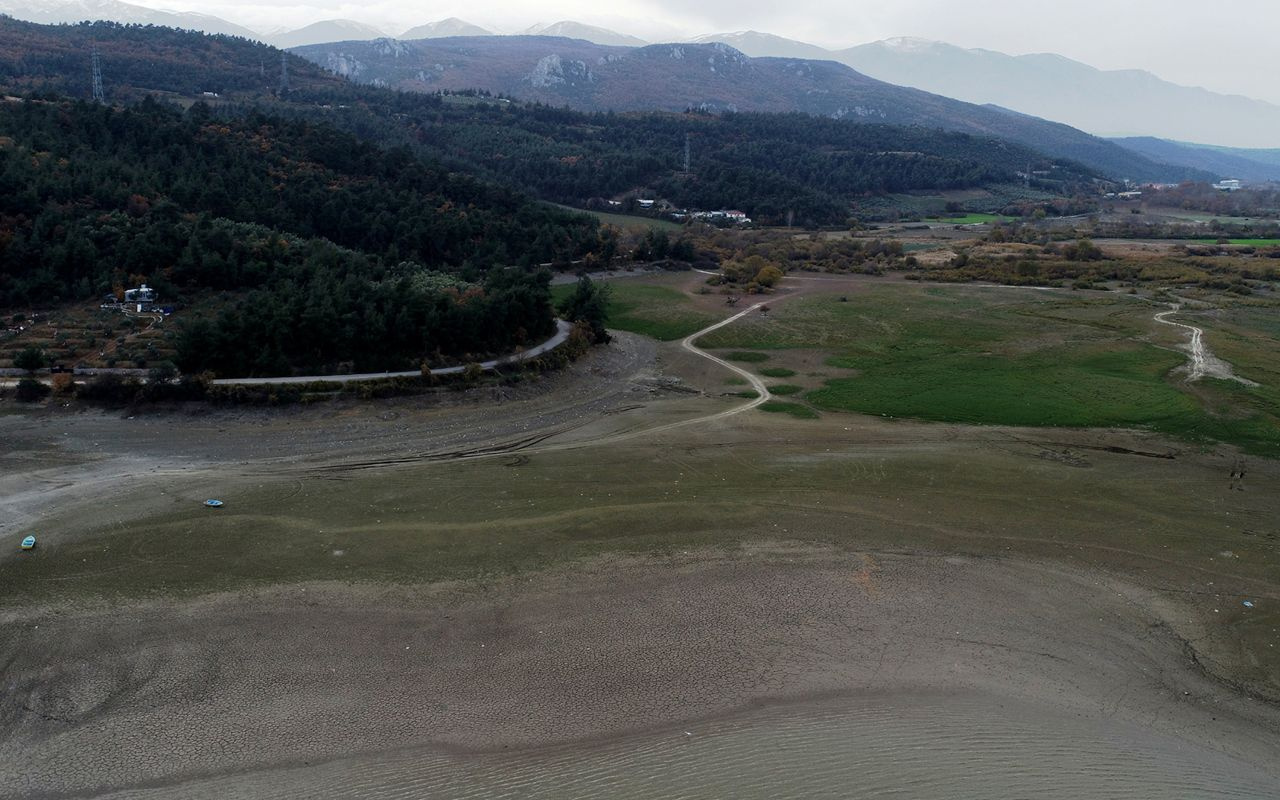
x: 628, y: 221
x: 968, y: 219
x: 659, y: 312
x: 1007, y: 357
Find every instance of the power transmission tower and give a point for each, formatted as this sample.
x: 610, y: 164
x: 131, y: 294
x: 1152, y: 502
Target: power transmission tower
x: 686, y: 152
x: 284, y: 74
x: 98, y: 95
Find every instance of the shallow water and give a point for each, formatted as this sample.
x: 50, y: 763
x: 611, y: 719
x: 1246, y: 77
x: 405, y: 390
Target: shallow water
x: 909, y: 746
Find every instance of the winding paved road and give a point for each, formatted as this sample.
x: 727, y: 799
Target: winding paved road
x: 562, y: 333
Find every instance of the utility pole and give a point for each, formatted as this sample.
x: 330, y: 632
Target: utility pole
x: 98, y: 95
x: 284, y: 74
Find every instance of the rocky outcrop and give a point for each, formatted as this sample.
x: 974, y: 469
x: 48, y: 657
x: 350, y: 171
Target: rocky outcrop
x: 554, y: 71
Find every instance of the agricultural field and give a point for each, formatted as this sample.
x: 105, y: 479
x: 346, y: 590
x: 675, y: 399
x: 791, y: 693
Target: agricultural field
x: 629, y: 221
x: 968, y: 219
x: 85, y: 335
x: 1245, y: 242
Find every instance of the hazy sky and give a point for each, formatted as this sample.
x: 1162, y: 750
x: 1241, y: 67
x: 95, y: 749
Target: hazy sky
x: 1227, y: 45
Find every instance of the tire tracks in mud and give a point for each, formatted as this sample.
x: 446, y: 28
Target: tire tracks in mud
x: 529, y: 445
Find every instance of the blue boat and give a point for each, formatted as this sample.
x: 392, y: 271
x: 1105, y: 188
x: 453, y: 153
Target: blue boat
x: 213, y: 503
x: 29, y: 543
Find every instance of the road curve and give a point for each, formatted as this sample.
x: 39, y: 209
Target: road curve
x: 535, y: 446
x: 762, y: 391
x: 562, y: 333
x: 762, y: 396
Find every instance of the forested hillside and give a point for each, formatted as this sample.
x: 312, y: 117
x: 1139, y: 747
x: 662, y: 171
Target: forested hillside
x: 714, y: 77
x: 138, y: 60
x: 357, y: 225
x: 806, y: 168
x: 772, y: 166
x: 183, y: 65
x: 93, y: 199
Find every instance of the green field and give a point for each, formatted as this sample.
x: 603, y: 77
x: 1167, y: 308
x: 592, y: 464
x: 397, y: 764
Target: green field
x: 659, y: 312
x: 747, y: 356
x: 627, y: 220
x: 1105, y: 385
x: 1247, y: 242
x: 968, y: 219
x: 1003, y: 357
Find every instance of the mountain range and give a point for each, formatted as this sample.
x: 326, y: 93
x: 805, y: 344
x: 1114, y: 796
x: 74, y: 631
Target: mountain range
x: 809, y: 169
x: 1122, y: 104
x: 1251, y: 166
x: 62, y: 12
x: 1104, y: 102
x: 330, y: 30
x: 1116, y: 103
x: 577, y: 30
x: 713, y: 77
x: 445, y: 27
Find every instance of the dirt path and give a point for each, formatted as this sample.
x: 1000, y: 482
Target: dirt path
x: 762, y: 391
x: 1203, y: 363
x: 533, y: 444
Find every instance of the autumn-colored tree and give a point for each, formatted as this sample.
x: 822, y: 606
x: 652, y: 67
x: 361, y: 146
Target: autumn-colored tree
x: 768, y: 276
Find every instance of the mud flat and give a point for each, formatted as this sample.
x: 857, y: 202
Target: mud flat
x: 333, y: 691
x: 1039, y: 611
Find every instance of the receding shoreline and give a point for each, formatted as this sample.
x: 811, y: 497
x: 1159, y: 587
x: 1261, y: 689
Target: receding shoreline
x: 581, y: 656
x: 365, y: 593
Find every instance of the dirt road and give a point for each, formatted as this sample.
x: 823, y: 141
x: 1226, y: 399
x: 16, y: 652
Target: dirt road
x: 1203, y: 363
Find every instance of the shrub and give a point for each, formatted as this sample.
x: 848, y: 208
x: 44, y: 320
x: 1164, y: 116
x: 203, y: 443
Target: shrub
x: 110, y: 389
x: 30, y: 358
x: 163, y: 373
x: 64, y: 383
x: 30, y: 390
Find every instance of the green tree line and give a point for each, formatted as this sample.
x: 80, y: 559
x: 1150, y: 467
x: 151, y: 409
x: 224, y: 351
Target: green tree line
x: 323, y: 245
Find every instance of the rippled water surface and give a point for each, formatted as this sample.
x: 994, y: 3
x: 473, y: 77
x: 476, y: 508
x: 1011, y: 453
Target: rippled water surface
x: 942, y: 746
